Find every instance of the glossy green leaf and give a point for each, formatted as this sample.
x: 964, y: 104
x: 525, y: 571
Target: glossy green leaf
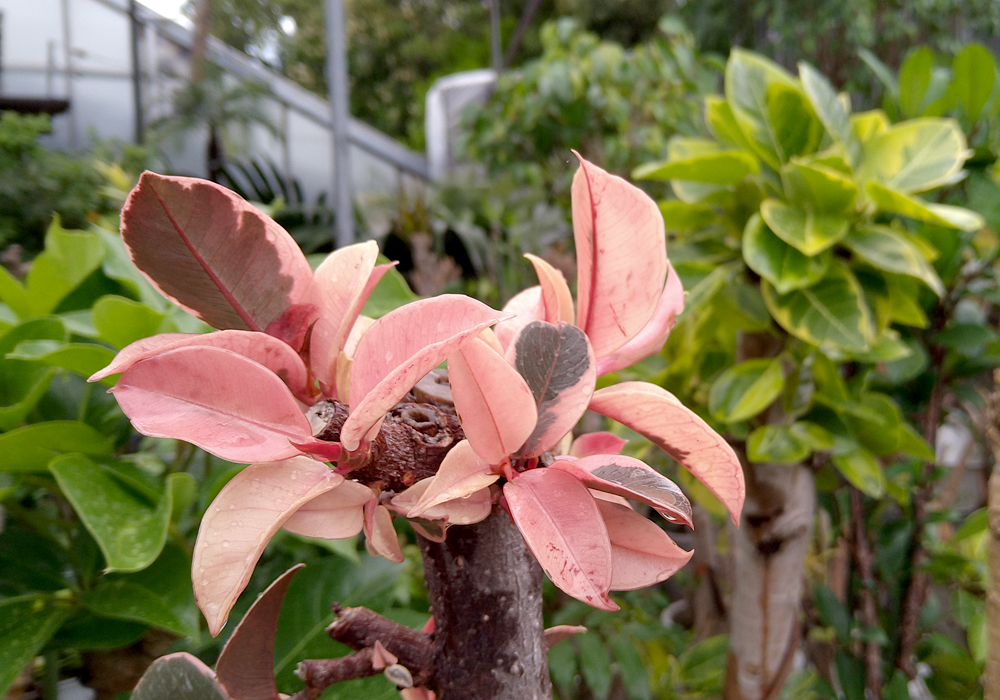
x: 916, y: 208
x: 129, y: 529
x: 743, y: 306
x: 915, y: 156
x: 778, y: 262
x: 743, y: 391
x: 124, y: 600
x: 390, y: 293
x: 806, y: 231
x: 85, y: 631
x: 721, y: 122
x: 796, y: 127
x: 680, y: 216
x: 631, y: 668
x: 721, y: 168
x: 880, y: 433
x: 703, y: 665
x: 830, y: 109
x: 813, y: 185
x: 750, y: 83
x: 862, y: 469
x: 973, y: 76
x: 23, y: 383
x: 120, y: 321
x: 776, y: 444
x: 30, y: 448
x: 26, y: 624
x: 68, y: 259
x: 830, y: 314
x: 82, y: 358
x: 563, y: 666
x: 595, y: 664
x: 886, y: 249
x: 904, y: 301
x: 117, y: 265
x: 914, y: 78
x: 832, y: 612
x: 812, y: 435
x: 169, y: 579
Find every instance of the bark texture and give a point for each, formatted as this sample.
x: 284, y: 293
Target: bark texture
x: 486, y: 596
x: 769, y: 551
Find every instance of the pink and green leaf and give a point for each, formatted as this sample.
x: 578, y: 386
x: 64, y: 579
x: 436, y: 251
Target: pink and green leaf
x: 222, y: 402
x: 400, y: 348
x: 641, y: 553
x: 462, y: 473
x: 242, y: 520
x: 495, y: 405
x: 208, y: 250
x: 557, y: 362
x: 334, y: 515
x: 563, y: 528
x: 657, y: 415
x: 527, y: 306
x: 621, y: 257
x: 630, y: 478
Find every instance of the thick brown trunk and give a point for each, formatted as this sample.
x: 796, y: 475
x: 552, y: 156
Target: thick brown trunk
x: 769, y: 551
x: 486, y: 596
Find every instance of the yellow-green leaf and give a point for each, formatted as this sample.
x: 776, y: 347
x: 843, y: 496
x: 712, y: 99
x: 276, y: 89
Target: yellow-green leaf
x: 916, y: 155
x: 743, y: 391
x: 808, y: 232
x: 779, y: 263
x: 888, y: 250
x: 916, y: 208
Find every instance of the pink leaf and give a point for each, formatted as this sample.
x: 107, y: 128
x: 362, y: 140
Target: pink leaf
x: 558, y: 365
x: 555, y: 292
x: 495, y: 405
x: 246, y: 665
x: 334, y: 515
x: 656, y: 414
x: 462, y: 473
x: 218, y: 400
x: 469, y: 509
x: 400, y: 348
x: 208, y: 250
x: 527, y: 306
x: 641, y: 553
x: 651, y: 338
x: 381, y: 539
x: 416, y: 694
x: 630, y: 478
x: 600, y: 443
x: 293, y: 324
x: 242, y: 520
x: 554, y: 635
x: 621, y: 257
x: 338, y: 292
x: 382, y: 657
x: 562, y: 526
x: 263, y: 349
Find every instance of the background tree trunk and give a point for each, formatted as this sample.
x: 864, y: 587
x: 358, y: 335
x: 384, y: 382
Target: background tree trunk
x: 992, y: 673
x: 486, y: 596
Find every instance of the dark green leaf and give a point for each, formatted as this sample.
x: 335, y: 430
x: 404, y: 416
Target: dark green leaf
x: 832, y: 612
x: 26, y: 624
x: 29, y: 449
x: 776, y: 444
x: 914, y: 78
x: 966, y: 337
x: 85, y: 631
x: 806, y: 231
x: 749, y: 81
x: 974, y: 73
x: 779, y: 263
x: 82, y: 358
x: 595, y: 664
x: 562, y: 666
x: 881, y: 435
x: 745, y: 390
x: 631, y: 668
x: 703, y: 665
x: 124, y: 600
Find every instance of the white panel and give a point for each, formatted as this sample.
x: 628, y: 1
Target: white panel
x: 28, y: 27
x: 310, y: 155
x: 101, y: 38
x: 103, y: 108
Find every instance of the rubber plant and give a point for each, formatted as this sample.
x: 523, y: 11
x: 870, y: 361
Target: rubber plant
x: 804, y: 228
x: 346, y: 424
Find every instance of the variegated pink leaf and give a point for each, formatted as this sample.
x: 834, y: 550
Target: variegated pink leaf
x: 334, y: 515
x: 220, y: 401
x: 555, y: 292
x: 211, y: 252
x: 246, y: 665
x: 242, y: 520
x: 630, y: 478
x: 558, y: 365
x: 400, y: 348
x: 621, y: 257
x: 599, y: 443
x: 462, y: 473
x: 651, y: 338
x: 656, y: 414
x: 293, y: 325
x: 563, y: 528
x: 380, y: 535
x: 641, y: 553
x: 263, y: 349
x: 493, y: 401
x: 338, y: 292
x: 527, y: 306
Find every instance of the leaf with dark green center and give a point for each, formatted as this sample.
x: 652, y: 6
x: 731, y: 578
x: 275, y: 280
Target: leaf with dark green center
x: 26, y: 624
x: 829, y: 108
x: 748, y: 82
x: 888, y: 250
x: 820, y: 187
x: 775, y: 444
x: 82, y: 358
x: 830, y: 314
x: 745, y: 390
x: 795, y: 124
x: 558, y: 365
x: 720, y: 168
x: 808, y: 232
x: 778, y: 262
x: 129, y: 529
x: 124, y: 600
x: 915, y: 156
x: 881, y: 433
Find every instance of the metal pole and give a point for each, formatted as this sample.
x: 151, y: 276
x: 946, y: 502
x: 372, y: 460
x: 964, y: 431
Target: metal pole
x: 136, y: 74
x: 496, y: 42
x: 336, y: 78
x: 68, y: 58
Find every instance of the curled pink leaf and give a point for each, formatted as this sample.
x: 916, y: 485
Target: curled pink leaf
x: 380, y: 535
x: 630, y: 478
x: 462, y: 473
x: 472, y: 508
x: 653, y: 336
x: 554, y: 635
x: 334, y: 515
x: 222, y: 402
x: 400, y: 348
x: 242, y: 520
x: 641, y: 553
x: 211, y: 252
x: 621, y: 257
x: 599, y: 443
x: 563, y: 528
x: 495, y: 405
x: 556, y: 296
x: 657, y: 415
x: 558, y: 365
